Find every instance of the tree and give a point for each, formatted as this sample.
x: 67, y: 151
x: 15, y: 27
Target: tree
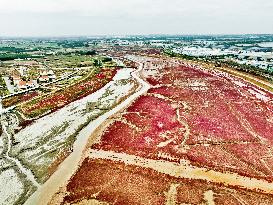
x: 97, y: 63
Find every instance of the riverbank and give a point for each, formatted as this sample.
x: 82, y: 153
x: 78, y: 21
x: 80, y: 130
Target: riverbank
x: 66, y: 169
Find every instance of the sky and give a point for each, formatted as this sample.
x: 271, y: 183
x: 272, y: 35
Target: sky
x: 129, y: 17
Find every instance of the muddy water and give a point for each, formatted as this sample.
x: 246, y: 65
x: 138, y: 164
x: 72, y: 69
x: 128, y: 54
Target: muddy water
x: 66, y: 169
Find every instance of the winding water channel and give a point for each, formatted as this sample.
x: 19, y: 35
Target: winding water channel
x: 70, y: 164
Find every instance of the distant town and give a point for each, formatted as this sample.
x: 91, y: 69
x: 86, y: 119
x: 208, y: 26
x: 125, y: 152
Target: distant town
x: 36, y: 62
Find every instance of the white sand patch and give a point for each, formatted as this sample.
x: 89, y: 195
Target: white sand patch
x: 259, y: 94
x: 52, y: 131
x: 171, y: 195
x: 123, y: 74
x: 197, y: 84
x: 11, y: 187
x: 239, y: 83
x: 91, y: 202
x: 208, y: 196
x: 4, y: 163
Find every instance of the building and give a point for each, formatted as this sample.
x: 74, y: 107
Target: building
x: 22, y: 85
x: 46, y: 76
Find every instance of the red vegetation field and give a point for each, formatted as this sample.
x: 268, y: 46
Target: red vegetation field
x: 156, y: 117
x: 120, y: 184
x: 204, y: 118
x: 13, y: 100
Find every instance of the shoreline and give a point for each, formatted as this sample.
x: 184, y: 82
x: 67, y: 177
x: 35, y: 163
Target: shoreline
x: 68, y: 167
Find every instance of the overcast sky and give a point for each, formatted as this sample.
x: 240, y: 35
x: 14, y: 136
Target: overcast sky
x: 118, y: 17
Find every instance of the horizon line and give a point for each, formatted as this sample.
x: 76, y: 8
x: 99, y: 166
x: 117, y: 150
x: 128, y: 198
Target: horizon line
x: 128, y: 35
